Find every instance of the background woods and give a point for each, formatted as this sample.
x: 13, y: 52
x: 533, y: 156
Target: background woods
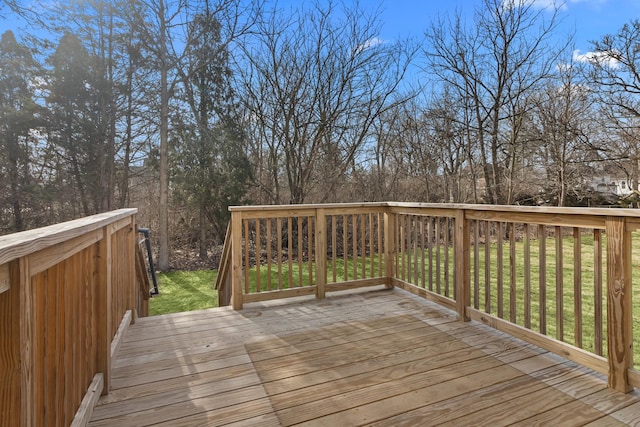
x: 185, y: 108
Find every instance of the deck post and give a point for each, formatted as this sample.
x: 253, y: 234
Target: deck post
x: 104, y: 309
x: 462, y: 264
x: 619, y: 303
x: 133, y: 290
x: 389, y: 245
x: 11, y: 397
x: 321, y: 252
x: 236, y: 257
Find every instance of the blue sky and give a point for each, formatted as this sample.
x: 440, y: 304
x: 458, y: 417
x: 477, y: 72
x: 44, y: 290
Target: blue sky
x: 591, y: 19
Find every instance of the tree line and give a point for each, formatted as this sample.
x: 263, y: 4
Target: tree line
x: 183, y: 109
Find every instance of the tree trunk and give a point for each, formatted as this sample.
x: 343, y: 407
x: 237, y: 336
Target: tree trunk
x: 163, y: 254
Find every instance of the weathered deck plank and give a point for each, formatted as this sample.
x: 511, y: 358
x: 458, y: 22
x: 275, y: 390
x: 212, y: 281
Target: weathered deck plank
x: 382, y: 358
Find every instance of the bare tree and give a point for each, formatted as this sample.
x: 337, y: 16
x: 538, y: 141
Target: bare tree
x: 316, y: 82
x: 494, y: 64
x: 614, y: 74
x: 559, y: 125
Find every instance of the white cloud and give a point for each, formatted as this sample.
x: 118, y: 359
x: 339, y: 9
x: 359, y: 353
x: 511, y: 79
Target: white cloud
x: 547, y: 4
x: 539, y: 4
x: 591, y: 2
x: 604, y: 58
x: 368, y: 44
x: 552, y: 4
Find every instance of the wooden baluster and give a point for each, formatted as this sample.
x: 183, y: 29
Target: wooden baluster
x: 345, y: 247
x: 500, y: 267
x: 310, y: 248
x: 401, y: 243
x: 371, y: 247
x: 577, y: 287
x: 300, y: 232
x: 334, y: 244
x: 487, y: 267
x: 236, y: 256
x: 597, y: 290
x: 279, y: 231
x: 380, y: 244
x: 321, y: 252
x: 390, y: 234
x: 246, y: 256
x: 447, y: 224
x: 269, y: 224
x: 290, y: 251
x: 542, y: 291
x: 422, y: 264
x: 476, y: 264
x: 527, y: 278
x: 363, y: 244
x: 258, y: 255
x: 513, y: 309
x: 559, y: 286
x: 462, y: 265
x: 430, y: 233
x: 438, y: 266
x: 354, y: 243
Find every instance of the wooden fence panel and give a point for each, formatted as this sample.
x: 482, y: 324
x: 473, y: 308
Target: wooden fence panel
x: 69, y: 284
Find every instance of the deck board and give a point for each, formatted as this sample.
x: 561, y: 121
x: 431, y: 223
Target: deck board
x: 383, y: 357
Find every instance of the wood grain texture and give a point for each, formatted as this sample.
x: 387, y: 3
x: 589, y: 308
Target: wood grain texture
x: 619, y: 304
x: 462, y: 265
x: 5, y: 279
x: 13, y: 246
x: 10, y: 367
x: 590, y: 360
x: 542, y: 280
x: 559, y: 285
x: 597, y: 291
x: 63, y: 298
x: 26, y: 321
x: 390, y: 221
x: 363, y: 358
x: 89, y: 401
x: 236, y: 259
x: 577, y: 286
x: 321, y: 253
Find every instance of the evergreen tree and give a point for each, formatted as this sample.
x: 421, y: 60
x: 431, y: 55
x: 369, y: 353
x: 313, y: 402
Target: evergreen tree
x: 19, y: 118
x: 76, y: 125
x: 213, y: 171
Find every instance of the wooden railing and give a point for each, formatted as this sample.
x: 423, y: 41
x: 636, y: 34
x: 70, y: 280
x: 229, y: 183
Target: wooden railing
x: 560, y: 278
x: 67, y: 294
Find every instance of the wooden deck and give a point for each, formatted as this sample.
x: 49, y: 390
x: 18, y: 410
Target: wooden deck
x: 382, y: 357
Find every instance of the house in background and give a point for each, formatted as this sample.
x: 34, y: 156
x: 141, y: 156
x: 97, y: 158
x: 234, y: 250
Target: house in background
x: 620, y: 186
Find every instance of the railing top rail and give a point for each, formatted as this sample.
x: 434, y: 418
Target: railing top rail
x: 553, y: 210
x: 17, y: 245
x: 308, y: 206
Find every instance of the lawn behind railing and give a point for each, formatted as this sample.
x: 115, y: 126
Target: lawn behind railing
x: 560, y: 278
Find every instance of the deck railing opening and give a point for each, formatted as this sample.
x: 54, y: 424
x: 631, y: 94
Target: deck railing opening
x: 557, y: 277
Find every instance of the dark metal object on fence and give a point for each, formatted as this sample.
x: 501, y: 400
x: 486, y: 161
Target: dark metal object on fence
x: 152, y: 269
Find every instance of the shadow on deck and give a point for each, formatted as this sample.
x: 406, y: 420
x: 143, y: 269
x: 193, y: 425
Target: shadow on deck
x: 382, y: 357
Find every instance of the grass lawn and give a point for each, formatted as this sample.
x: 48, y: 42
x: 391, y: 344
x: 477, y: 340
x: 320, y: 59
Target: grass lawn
x: 193, y: 290
x: 184, y: 291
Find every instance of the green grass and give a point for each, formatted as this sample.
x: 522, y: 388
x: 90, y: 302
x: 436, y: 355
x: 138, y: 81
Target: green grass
x: 586, y: 274
x: 184, y: 291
